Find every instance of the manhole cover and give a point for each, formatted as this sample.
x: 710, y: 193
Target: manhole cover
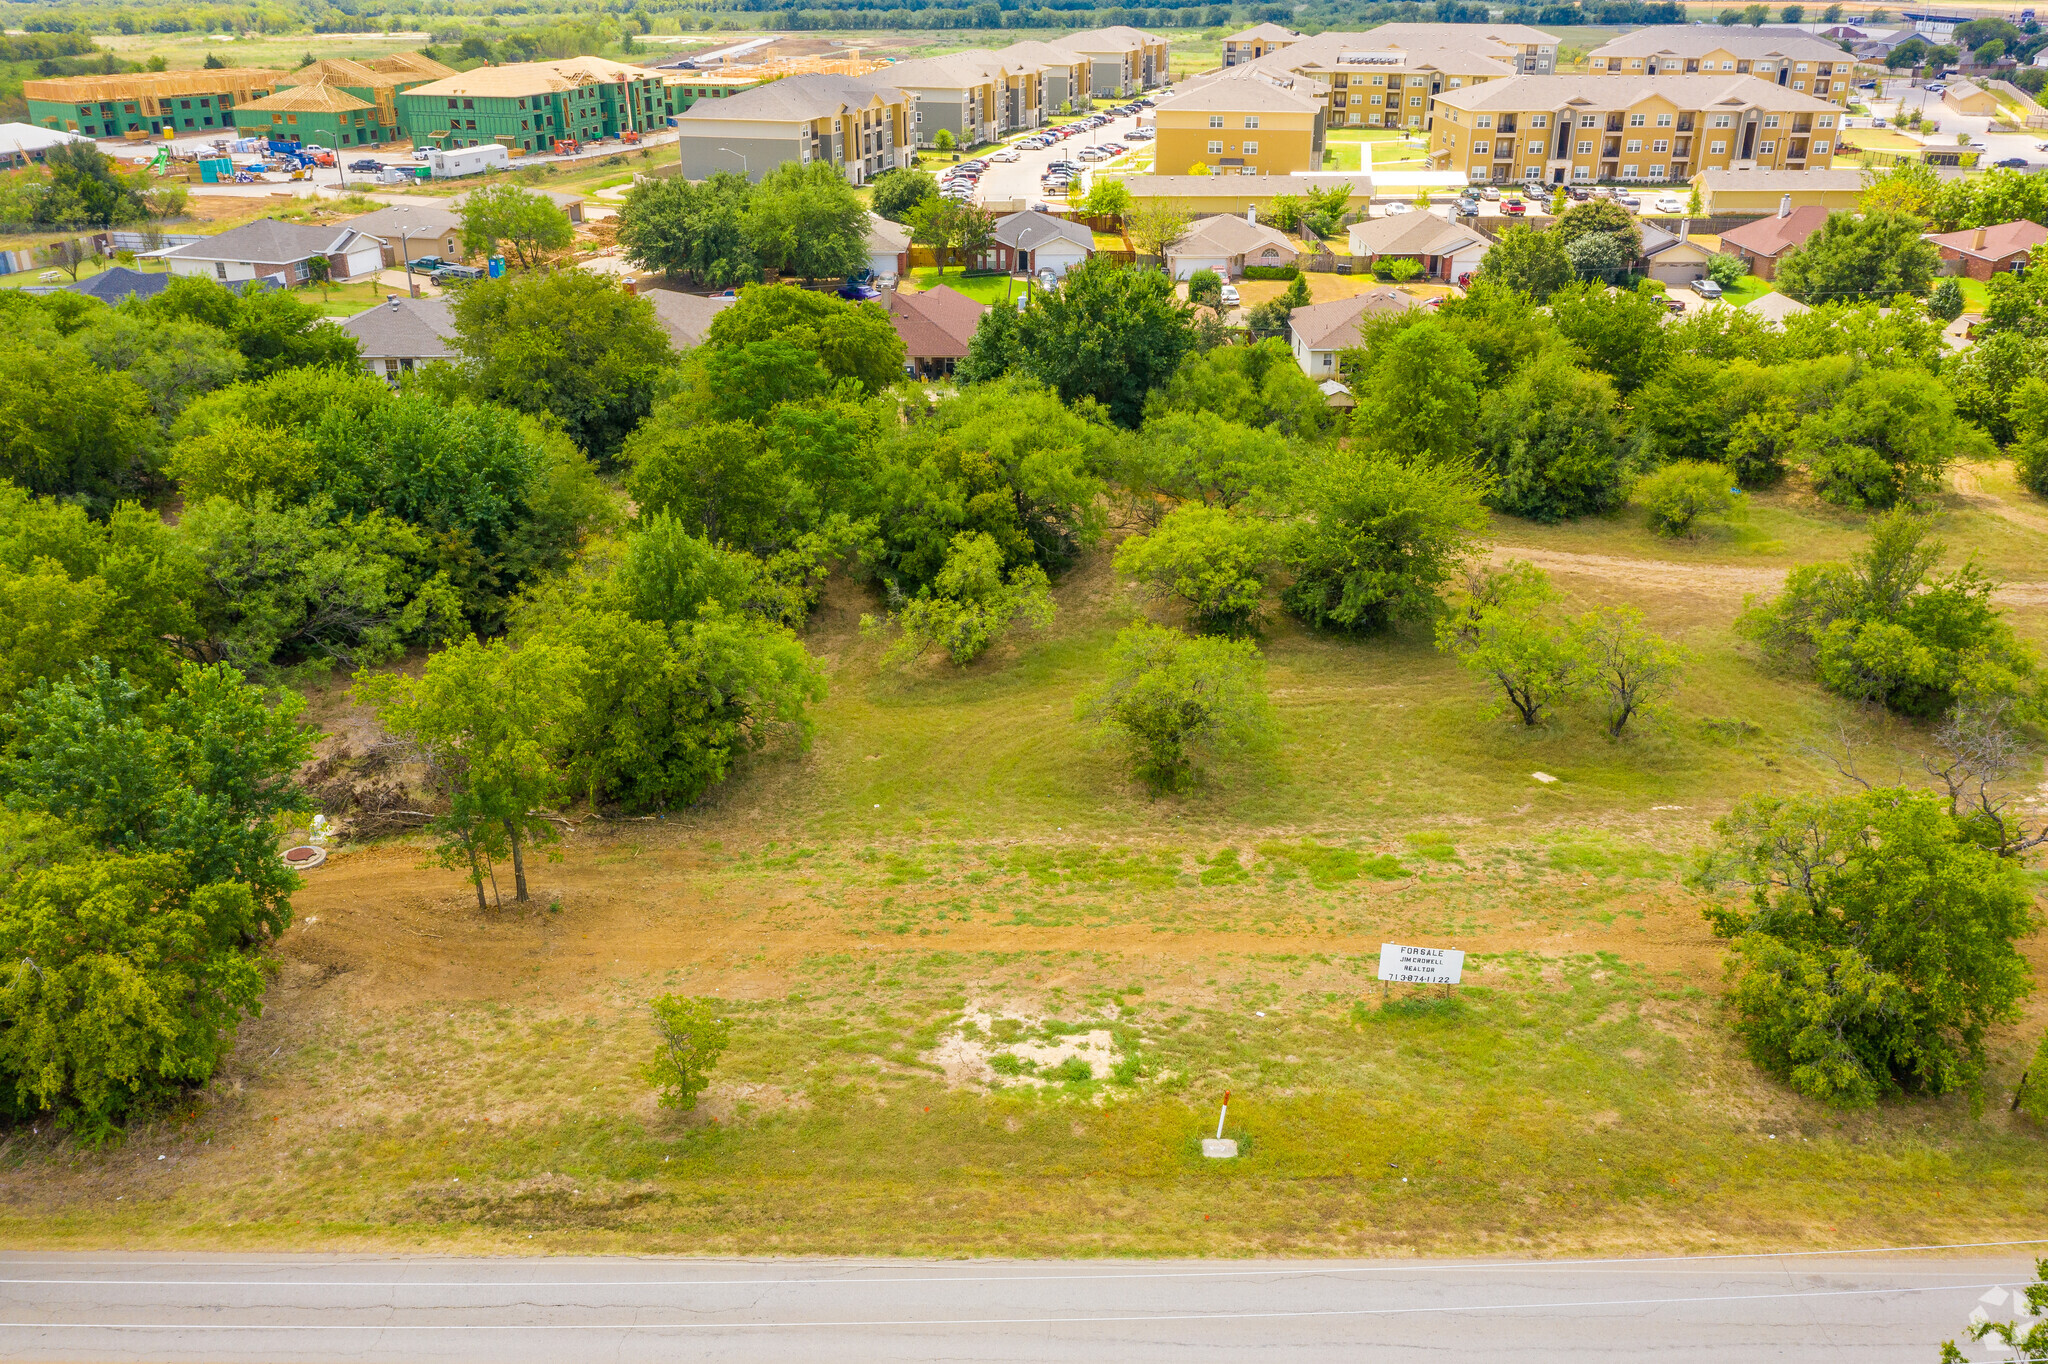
x: 304, y: 856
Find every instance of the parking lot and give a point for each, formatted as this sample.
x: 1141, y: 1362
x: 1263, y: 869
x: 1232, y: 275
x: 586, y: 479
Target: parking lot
x: 1019, y: 179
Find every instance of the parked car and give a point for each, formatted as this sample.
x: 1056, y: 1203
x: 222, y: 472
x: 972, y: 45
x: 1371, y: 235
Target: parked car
x: 428, y: 263
x: 1490, y: 193
x: 1047, y: 279
x: 1230, y: 296
x: 857, y: 290
x: 1396, y: 208
x: 366, y: 164
x: 1578, y: 194
x: 1628, y: 201
x: 1141, y: 134
x: 1007, y: 156
x: 1936, y: 88
x: 1517, y: 207
x: 458, y: 274
x: 1670, y: 203
x: 1672, y: 305
x: 1706, y: 288
x: 2012, y: 163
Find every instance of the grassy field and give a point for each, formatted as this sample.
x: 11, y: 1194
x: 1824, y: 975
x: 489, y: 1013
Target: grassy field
x: 955, y: 872
x: 989, y: 289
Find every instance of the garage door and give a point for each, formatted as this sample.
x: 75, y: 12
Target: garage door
x: 1183, y: 266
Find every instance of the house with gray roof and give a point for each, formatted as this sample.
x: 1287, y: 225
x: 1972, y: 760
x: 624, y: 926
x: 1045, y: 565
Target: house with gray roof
x: 280, y: 250
x: 409, y: 231
x: 1443, y: 249
x: 1226, y: 244
x: 401, y: 334
x: 686, y: 317
x: 1319, y: 333
x: 1037, y: 241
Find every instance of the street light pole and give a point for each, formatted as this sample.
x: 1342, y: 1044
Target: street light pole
x: 405, y: 249
x: 730, y: 152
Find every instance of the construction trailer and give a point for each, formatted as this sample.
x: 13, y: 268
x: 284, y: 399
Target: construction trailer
x: 487, y: 156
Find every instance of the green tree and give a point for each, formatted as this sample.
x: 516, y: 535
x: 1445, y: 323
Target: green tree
x: 1503, y: 628
x: 1198, y: 456
x: 484, y: 719
x: 1424, y: 391
x: 1726, y: 270
x: 1878, y: 256
x: 1106, y: 198
x: 944, y: 141
x: 1594, y: 255
x: 805, y: 220
x: 1887, y: 440
x: 274, y: 329
x: 68, y: 427
x: 1205, y: 289
x: 1945, y: 304
x: 1527, y: 261
x: 1629, y: 669
x: 1684, y: 412
x: 698, y: 231
x: 526, y: 221
x: 87, y: 189
x: 1212, y: 561
x: 899, y: 190
x: 1380, y: 539
x: 691, y: 1035
x: 2029, y: 416
x: 970, y: 604
x: 1875, y: 944
x: 1600, y: 218
x: 1620, y: 332
x: 1553, y: 442
x: 1157, y: 224
x: 566, y: 343
x: 173, y: 361
x: 1174, y: 702
x: 1679, y: 494
x: 1256, y: 386
x: 851, y: 340
x: 1111, y: 332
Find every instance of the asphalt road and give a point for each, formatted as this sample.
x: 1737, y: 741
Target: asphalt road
x: 278, y: 1309
x: 1019, y: 179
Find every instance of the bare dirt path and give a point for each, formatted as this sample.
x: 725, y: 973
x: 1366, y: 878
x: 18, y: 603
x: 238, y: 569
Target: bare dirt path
x: 1730, y: 580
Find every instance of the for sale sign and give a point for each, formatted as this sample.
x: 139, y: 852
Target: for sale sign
x: 1420, y: 965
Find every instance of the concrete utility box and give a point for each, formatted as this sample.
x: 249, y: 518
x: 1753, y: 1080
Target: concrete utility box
x: 457, y: 161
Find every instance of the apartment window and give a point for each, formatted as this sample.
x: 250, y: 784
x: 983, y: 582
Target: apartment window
x: 1589, y: 120
x: 1215, y: 149
x: 1800, y: 67
x: 1379, y: 80
x: 1251, y: 149
x: 1584, y: 149
x: 469, y: 104
x: 1767, y: 148
x: 1656, y: 173
x: 1582, y: 173
x: 1482, y: 148
x: 1663, y: 120
x: 1215, y: 120
x: 1535, y: 149
x: 1723, y: 121
x: 1375, y: 99
x: 1716, y: 148
x: 1628, y: 173
x: 1820, y: 149
x: 1456, y: 82
x: 1415, y: 120
x: 453, y: 105
x: 1827, y: 120
x: 1635, y: 64
x: 1635, y: 144
x: 1415, y: 101
x: 1539, y: 120
x: 1763, y: 68
x: 1727, y: 66
x: 1660, y: 145
x: 1251, y: 120
x: 1637, y: 120
x: 1486, y: 120
x: 1798, y: 85
x: 1770, y: 120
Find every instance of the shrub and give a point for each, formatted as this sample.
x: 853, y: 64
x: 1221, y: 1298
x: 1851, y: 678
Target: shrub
x: 1208, y: 558
x: 1172, y: 700
x: 1272, y: 271
x: 1726, y: 270
x: 1381, y: 538
x: 692, y: 1036
x: 969, y: 605
x: 1205, y: 287
x: 1503, y: 630
x: 1679, y: 494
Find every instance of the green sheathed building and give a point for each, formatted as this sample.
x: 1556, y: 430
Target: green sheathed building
x: 146, y: 103
x: 531, y: 105
x: 685, y: 88
x: 340, y: 103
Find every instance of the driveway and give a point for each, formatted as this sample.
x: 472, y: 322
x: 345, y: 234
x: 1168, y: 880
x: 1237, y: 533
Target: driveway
x: 1019, y: 179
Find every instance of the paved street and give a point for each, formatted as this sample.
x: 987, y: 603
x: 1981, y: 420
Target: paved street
x: 1019, y: 180
x: 1873, y: 1310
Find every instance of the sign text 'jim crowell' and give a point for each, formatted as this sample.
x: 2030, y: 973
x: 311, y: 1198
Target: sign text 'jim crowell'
x: 1420, y: 965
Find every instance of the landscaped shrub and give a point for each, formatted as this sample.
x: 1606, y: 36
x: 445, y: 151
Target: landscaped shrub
x: 1680, y: 493
x: 1271, y: 271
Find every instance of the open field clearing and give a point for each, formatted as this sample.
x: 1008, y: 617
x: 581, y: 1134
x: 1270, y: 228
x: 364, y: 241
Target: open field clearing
x: 986, y: 994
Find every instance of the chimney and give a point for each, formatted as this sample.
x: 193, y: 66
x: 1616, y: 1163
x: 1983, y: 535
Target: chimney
x: 392, y: 299
x: 1685, y: 229
x: 1977, y: 242
x: 1785, y: 206
x: 1251, y: 214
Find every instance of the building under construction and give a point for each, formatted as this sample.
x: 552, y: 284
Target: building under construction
x: 146, y: 102
x: 340, y: 103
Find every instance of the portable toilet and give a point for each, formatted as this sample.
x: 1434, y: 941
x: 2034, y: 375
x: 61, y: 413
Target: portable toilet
x: 216, y: 170
x: 497, y: 267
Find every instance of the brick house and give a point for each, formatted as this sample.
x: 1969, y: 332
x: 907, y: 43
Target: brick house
x: 1765, y: 242
x: 1981, y: 252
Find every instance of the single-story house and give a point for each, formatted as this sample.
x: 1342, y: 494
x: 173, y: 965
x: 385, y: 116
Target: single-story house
x: 686, y: 317
x: 1318, y: 332
x: 1968, y: 97
x: 1674, y: 257
x: 1443, y: 249
x: 400, y: 334
x: 118, y: 283
x: 936, y: 326
x: 1981, y: 252
x: 1037, y: 241
x: 888, y: 247
x: 1227, y: 244
x: 409, y: 231
x: 1206, y: 194
x: 284, y: 250
x: 1765, y: 242
x: 1775, y: 307
x: 1725, y: 192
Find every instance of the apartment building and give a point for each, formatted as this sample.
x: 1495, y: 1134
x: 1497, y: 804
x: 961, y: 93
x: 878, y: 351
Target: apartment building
x: 147, y: 103
x: 1122, y: 61
x: 860, y: 124
x: 976, y: 95
x: 1790, y: 58
x: 1365, y: 80
x: 1257, y: 42
x: 1558, y: 130
x: 1062, y: 74
x: 1239, y: 127
x: 1531, y: 51
x: 531, y: 105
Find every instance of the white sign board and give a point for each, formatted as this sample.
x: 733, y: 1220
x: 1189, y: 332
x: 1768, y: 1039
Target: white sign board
x: 1420, y: 965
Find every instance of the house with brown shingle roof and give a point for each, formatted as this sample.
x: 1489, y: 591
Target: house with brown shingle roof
x: 1318, y: 332
x: 936, y: 326
x: 1981, y: 252
x: 1765, y: 242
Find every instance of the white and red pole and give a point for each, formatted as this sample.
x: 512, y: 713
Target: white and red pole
x: 1221, y: 1114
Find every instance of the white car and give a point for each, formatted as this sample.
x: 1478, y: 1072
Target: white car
x: 1007, y: 156
x: 1396, y: 208
x: 1229, y: 295
x: 1670, y: 203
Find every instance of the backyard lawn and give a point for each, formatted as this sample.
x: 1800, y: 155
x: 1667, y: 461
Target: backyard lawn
x: 989, y: 289
x: 1748, y: 291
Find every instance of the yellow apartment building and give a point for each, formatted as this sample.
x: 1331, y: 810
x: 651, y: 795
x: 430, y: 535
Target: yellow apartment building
x: 1556, y: 130
x: 1368, y: 82
x: 1239, y: 127
x: 1256, y: 42
x: 1789, y: 58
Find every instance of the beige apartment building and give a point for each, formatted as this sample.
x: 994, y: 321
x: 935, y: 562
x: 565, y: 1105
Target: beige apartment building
x: 1257, y: 42
x: 1556, y: 130
x: 1239, y: 127
x: 976, y: 96
x: 861, y: 125
x: 1388, y: 76
x: 1789, y: 58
